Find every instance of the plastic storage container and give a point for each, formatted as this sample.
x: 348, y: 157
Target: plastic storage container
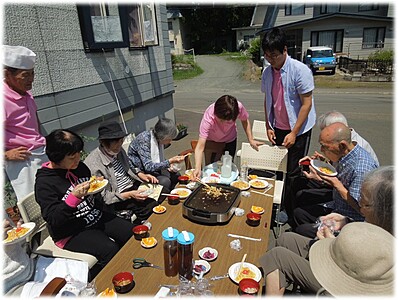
x: 244, y: 171
x: 185, y: 254
x: 226, y: 168
x: 170, y: 251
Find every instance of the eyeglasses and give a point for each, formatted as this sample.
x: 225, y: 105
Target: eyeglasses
x: 272, y: 55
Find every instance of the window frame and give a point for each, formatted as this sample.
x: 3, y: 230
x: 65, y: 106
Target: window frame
x: 376, y: 44
x: 335, y: 42
x: 291, y: 8
x: 368, y: 6
x: 325, y: 8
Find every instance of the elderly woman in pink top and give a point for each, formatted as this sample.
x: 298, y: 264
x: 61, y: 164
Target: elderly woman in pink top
x: 219, y: 125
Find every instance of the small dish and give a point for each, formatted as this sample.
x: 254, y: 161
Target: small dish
x: 258, y: 183
x: 323, y: 168
x: 140, y: 232
x: 257, y: 209
x: 123, y: 282
x: 208, y: 253
x: 242, y: 185
x: 182, y: 192
x: 160, y: 209
x: 149, y: 242
x: 16, y: 237
x: 183, y: 179
x: 173, y: 200
x: 211, y: 179
x: 108, y: 293
x: 248, y: 271
x: 192, y: 185
x: 253, y: 219
x: 248, y: 286
x: 97, y: 186
x: 189, y: 172
x: 201, y: 266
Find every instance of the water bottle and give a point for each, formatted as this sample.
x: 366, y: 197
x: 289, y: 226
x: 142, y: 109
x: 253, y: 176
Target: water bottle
x: 226, y: 168
x: 170, y: 251
x: 185, y: 254
x: 244, y: 171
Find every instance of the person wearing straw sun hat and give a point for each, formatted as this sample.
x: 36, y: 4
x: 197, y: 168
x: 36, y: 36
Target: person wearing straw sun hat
x: 360, y: 261
x: 24, y: 145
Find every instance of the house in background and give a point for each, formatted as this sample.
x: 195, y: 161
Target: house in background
x: 177, y: 32
x: 353, y: 30
x: 96, y: 62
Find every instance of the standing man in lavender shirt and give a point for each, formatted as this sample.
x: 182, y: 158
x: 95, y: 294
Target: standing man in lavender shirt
x: 289, y: 105
x: 24, y: 145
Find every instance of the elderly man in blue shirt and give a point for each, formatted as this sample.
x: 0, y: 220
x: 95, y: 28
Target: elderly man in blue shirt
x: 289, y: 105
x: 352, y: 164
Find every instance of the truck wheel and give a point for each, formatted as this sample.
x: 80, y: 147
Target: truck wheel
x: 333, y: 71
x: 313, y: 71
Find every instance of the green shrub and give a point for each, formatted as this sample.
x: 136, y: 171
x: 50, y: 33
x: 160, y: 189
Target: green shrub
x: 254, y: 50
x: 382, y: 60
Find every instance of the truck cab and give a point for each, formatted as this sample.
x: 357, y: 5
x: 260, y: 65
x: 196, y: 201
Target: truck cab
x: 320, y: 59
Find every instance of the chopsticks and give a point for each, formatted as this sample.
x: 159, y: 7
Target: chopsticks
x: 204, y: 183
x: 241, y: 263
x: 170, y: 195
x: 243, y: 237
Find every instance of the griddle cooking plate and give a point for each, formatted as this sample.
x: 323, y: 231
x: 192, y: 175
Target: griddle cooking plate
x: 199, y: 200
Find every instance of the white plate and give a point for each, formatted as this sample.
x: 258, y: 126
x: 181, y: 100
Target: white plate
x: 243, y: 188
x: 211, y: 179
x: 204, y: 250
x: 234, y: 269
x: 30, y: 226
x: 99, y: 189
x: 102, y: 294
x: 317, y: 164
x: 202, y: 263
x: 189, y: 172
x: 159, y: 212
x: 180, y: 190
x: 145, y: 246
x: 262, y: 184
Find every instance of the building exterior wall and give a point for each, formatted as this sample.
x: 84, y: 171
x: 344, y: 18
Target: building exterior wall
x: 77, y: 90
x: 282, y: 19
x: 176, y: 35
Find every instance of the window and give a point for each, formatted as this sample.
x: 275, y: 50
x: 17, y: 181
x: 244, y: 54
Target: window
x: 111, y: 26
x: 373, y: 37
x: 294, y: 9
x: 170, y: 24
x: 102, y: 27
x: 329, y: 8
x: 368, y: 7
x: 330, y: 38
x: 172, y: 45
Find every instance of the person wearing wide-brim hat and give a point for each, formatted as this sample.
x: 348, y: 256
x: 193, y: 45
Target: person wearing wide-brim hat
x: 24, y: 145
x: 109, y: 160
x: 360, y: 261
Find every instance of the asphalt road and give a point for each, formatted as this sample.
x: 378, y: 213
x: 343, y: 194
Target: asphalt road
x: 369, y: 111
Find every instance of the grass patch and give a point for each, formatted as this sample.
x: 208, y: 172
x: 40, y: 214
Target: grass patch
x: 187, y: 74
x: 235, y: 56
x: 185, y: 67
x: 337, y: 82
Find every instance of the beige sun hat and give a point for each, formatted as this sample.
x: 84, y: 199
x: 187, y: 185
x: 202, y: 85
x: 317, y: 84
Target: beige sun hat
x: 18, y: 57
x: 360, y: 261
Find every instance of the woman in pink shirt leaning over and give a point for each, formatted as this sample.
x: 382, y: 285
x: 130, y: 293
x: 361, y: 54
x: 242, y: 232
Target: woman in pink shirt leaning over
x: 219, y: 125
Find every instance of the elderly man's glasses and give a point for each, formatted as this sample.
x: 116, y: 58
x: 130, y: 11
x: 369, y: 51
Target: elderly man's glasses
x: 272, y: 55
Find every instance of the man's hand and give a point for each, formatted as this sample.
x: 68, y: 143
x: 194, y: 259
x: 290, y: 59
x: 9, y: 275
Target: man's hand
x: 18, y: 154
x: 255, y: 144
x: 324, y: 232
x: 289, y: 140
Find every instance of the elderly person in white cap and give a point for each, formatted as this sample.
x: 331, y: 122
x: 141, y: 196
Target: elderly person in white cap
x: 24, y: 145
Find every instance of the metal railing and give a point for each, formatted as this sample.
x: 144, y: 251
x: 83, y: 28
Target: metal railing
x: 367, y: 66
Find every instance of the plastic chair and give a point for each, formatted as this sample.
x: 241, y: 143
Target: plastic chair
x: 30, y: 212
x: 268, y: 158
x: 259, y: 131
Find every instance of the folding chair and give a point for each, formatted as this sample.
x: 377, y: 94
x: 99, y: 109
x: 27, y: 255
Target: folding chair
x: 30, y: 212
x: 268, y: 158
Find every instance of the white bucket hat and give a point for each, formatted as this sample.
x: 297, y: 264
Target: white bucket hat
x: 359, y: 261
x: 18, y: 57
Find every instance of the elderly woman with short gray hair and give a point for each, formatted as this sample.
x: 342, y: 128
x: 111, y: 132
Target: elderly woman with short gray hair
x: 146, y: 152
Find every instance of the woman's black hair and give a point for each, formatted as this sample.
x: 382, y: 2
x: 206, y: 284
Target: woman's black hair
x: 62, y: 142
x: 226, y: 108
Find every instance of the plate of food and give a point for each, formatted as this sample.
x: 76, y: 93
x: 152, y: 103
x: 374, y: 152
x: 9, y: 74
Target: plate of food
x: 258, y: 183
x: 189, y: 172
x: 323, y: 167
x: 149, y: 242
x: 182, y: 192
x: 248, y: 271
x: 242, y: 185
x: 108, y: 293
x: 211, y: 179
x: 17, y: 234
x: 96, y: 185
x: 159, y: 209
x: 201, y: 266
x: 257, y: 209
x: 208, y: 253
